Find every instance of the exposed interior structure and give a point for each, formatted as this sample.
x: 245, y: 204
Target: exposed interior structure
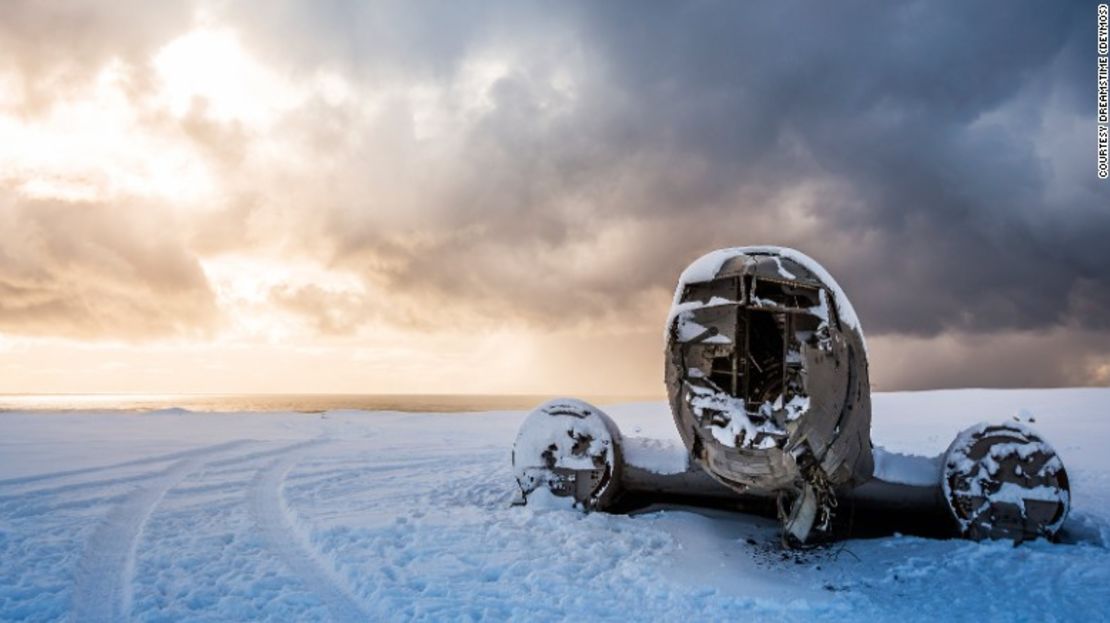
x: 768, y: 382
x: 763, y: 363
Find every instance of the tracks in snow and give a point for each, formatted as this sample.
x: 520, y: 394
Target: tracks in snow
x: 270, y: 515
x: 105, y: 571
x: 131, y: 493
x: 107, y: 565
x: 183, y: 454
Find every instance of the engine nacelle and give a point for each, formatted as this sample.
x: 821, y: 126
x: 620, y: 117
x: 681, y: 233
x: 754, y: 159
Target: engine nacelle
x: 569, y: 449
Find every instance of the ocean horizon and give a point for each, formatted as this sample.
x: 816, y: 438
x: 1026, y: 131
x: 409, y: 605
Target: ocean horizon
x: 303, y: 403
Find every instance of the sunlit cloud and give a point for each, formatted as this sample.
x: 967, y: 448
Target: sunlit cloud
x: 260, y: 297
x: 95, y: 145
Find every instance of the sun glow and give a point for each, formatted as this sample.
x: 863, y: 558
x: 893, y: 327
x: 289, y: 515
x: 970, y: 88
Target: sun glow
x: 94, y: 146
x: 209, y: 69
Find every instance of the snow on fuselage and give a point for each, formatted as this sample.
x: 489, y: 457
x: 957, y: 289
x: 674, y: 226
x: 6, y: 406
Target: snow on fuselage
x: 767, y: 371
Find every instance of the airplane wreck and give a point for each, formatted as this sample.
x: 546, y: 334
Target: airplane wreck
x: 767, y: 378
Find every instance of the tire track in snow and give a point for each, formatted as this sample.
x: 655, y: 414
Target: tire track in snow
x: 164, y: 458
x: 105, y: 571
x: 262, y: 454
x: 271, y: 516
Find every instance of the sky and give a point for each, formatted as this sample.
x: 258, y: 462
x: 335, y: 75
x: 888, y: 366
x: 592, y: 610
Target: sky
x: 498, y: 197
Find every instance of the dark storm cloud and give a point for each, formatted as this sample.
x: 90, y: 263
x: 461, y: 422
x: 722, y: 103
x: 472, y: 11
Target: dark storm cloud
x: 894, y: 102
x: 1062, y: 357
x: 924, y: 127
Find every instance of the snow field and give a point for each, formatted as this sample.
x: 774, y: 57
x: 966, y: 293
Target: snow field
x: 384, y: 516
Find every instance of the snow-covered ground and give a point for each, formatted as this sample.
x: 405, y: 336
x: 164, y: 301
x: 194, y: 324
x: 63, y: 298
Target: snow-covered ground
x: 353, y: 516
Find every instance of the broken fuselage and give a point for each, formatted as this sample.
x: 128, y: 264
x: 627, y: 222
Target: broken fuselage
x: 766, y: 372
